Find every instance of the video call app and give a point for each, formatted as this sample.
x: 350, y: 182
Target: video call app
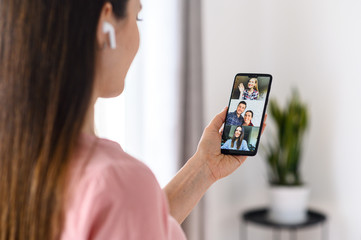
x: 243, y: 121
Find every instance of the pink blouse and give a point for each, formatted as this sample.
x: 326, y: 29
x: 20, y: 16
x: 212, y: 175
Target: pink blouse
x: 111, y: 195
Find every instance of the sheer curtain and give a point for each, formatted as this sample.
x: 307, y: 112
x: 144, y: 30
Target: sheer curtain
x: 192, y: 97
x: 158, y: 118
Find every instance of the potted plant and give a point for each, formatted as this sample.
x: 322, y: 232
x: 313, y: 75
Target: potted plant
x: 288, y: 193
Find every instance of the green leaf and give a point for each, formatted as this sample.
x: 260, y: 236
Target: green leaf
x: 284, y: 154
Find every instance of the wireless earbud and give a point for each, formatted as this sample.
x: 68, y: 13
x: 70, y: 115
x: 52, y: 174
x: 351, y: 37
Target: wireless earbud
x: 108, y: 28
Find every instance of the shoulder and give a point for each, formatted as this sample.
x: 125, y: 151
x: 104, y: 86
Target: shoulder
x: 108, y: 155
x: 244, y: 145
x: 112, y: 194
x: 104, y: 163
x: 227, y: 143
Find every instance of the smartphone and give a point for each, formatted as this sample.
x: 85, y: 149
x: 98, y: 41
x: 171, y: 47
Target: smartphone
x: 245, y: 116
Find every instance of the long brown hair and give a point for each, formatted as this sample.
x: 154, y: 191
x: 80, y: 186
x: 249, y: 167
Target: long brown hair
x: 238, y: 139
x: 47, y: 57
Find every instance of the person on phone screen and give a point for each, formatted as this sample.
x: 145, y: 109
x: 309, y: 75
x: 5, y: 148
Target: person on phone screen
x: 236, y: 118
x: 237, y: 142
x: 248, y: 115
x: 60, y: 181
x: 251, y: 92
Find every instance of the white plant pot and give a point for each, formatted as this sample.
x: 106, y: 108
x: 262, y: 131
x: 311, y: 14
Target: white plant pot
x: 288, y: 204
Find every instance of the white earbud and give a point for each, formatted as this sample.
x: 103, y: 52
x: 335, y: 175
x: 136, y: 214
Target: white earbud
x: 108, y: 28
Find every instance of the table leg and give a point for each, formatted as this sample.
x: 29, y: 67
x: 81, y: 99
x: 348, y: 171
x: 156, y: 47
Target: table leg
x: 324, y: 232
x: 293, y: 234
x: 276, y: 234
x: 243, y: 233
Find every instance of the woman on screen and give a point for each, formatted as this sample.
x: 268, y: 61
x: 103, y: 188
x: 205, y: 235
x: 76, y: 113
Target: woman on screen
x: 251, y: 93
x: 237, y: 142
x: 248, y: 118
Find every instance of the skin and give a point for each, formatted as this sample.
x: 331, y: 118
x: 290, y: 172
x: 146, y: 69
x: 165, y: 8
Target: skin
x: 247, y: 118
x: 240, y: 109
x: 241, y: 87
x: 251, y: 83
x: 238, y: 132
x: 112, y: 65
x: 207, y: 165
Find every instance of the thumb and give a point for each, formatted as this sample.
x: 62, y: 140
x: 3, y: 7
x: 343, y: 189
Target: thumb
x: 218, y: 120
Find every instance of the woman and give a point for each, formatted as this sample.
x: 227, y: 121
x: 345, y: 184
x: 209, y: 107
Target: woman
x: 58, y: 180
x: 237, y: 142
x: 248, y: 115
x: 251, y: 93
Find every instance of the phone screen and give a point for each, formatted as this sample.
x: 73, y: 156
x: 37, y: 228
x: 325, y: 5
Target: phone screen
x: 246, y: 110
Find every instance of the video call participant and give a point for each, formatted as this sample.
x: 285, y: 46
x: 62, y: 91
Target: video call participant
x: 237, y: 142
x: 248, y: 118
x: 251, y: 93
x: 236, y: 118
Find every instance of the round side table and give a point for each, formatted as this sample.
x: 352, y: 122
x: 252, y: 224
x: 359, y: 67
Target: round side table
x: 260, y: 217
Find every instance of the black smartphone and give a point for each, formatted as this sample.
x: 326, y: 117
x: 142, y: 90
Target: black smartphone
x: 245, y: 116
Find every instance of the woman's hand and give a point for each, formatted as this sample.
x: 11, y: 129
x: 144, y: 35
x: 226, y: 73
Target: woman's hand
x: 209, y: 149
x: 241, y: 90
x: 241, y: 87
x: 201, y: 171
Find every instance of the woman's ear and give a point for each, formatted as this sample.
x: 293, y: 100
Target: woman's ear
x: 105, y: 29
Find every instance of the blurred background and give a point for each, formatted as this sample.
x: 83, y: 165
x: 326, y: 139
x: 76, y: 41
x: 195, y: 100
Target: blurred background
x: 183, y: 74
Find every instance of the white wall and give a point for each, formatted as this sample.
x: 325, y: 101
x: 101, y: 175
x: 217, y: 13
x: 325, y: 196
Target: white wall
x: 311, y: 44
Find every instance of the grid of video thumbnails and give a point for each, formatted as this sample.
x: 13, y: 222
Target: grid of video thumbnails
x: 244, y: 117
